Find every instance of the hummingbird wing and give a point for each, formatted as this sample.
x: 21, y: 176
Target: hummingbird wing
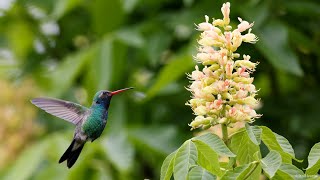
x: 66, y: 110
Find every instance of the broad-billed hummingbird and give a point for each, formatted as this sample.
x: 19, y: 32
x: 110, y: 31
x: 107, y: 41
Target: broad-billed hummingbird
x: 89, y: 122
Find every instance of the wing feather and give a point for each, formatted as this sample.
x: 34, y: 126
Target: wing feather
x: 66, y: 110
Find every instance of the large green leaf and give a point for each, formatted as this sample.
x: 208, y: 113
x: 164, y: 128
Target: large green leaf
x: 119, y: 151
x: 167, y: 166
x: 198, y: 173
x: 314, y: 160
x: 271, y: 163
x: 242, y: 172
x: 208, y: 158
x: 176, y: 68
x: 186, y: 157
x: 274, y: 44
x: 278, y: 143
x: 254, y: 133
x: 243, y: 147
x: 215, y: 142
x: 289, y: 171
x: 28, y: 162
x: 246, y: 151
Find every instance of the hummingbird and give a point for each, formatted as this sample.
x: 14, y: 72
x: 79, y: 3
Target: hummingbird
x: 89, y: 122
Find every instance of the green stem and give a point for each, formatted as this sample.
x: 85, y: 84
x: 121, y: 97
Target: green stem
x: 224, y: 129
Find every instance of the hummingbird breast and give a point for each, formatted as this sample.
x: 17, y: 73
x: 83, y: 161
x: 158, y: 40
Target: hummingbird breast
x: 95, y: 123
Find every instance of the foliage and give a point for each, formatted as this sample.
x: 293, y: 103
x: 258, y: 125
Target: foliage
x: 99, y: 44
x: 200, y: 155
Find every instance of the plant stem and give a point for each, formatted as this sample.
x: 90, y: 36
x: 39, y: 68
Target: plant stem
x: 224, y: 129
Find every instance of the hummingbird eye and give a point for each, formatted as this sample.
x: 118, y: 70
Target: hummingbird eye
x: 97, y: 102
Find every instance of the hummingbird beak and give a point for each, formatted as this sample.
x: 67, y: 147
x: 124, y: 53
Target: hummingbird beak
x: 120, y: 90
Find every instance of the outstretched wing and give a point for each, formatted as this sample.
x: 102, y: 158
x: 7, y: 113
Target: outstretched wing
x: 66, y: 110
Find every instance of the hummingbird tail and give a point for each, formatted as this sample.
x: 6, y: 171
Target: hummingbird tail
x: 72, y: 153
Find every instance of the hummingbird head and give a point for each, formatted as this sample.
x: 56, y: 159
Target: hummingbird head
x: 103, y: 97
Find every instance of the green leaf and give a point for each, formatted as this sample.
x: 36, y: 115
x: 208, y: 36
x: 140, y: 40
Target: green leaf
x: 246, y: 151
x: 61, y: 79
x: 254, y: 133
x: 271, y: 163
x: 198, y: 173
x: 243, y: 147
x: 167, y: 166
x: 28, y: 162
x: 158, y: 139
x: 289, y: 171
x: 242, y: 172
x: 62, y: 7
x: 303, y: 41
x: 129, y: 5
x: 285, y: 145
x: 176, y: 68
x: 130, y: 37
x: 314, y: 160
x: 119, y: 151
x: 215, y: 143
x: 208, y: 158
x: 185, y: 158
x: 100, y: 9
x: 274, y: 44
x: 278, y: 143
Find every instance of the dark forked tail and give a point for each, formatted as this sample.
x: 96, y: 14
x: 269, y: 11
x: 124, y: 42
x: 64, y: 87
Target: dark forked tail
x: 72, y: 153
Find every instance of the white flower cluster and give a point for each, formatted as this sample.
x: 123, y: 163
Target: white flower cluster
x: 222, y: 91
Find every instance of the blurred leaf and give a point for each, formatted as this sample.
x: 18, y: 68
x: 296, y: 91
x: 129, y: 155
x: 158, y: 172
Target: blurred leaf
x: 254, y: 133
x: 62, y: 7
x: 215, y: 143
x: 198, y: 173
x: 156, y: 45
x: 303, y: 41
x: 186, y: 157
x: 314, y: 160
x: 129, y: 5
x: 167, y: 167
x: 52, y: 172
x: 119, y: 151
x: 130, y: 37
x: 63, y: 77
x: 159, y: 139
x: 21, y: 38
x: 106, y: 15
x: 274, y: 45
x: 271, y: 163
x: 28, y: 162
x: 100, y: 67
x: 176, y: 68
x: 208, y: 158
x: 303, y: 8
x: 278, y: 143
x: 103, y: 172
x: 289, y: 171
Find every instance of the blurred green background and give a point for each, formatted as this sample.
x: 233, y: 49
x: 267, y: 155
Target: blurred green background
x: 70, y: 49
